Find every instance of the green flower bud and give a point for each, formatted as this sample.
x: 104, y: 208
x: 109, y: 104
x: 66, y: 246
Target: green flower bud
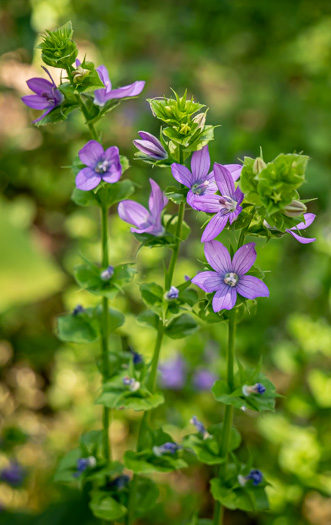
x: 57, y: 48
x: 79, y: 74
x: 294, y: 209
x: 200, y: 120
x: 258, y: 165
x: 185, y: 129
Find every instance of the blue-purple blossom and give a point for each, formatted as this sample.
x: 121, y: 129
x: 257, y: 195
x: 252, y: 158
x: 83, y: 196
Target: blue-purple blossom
x: 173, y: 373
x: 84, y: 464
x: 150, y: 146
x: 255, y: 475
x: 14, y: 474
x: 107, y: 274
x: 173, y: 293
x: 229, y: 277
x: 308, y: 220
x: 119, y: 483
x: 200, y: 427
x: 47, y: 96
x: 78, y: 310
x: 258, y: 388
x: 226, y: 206
x: 145, y: 221
x: 166, y: 448
x: 203, y: 379
x: 100, y: 165
x: 101, y: 96
x: 199, y: 180
x: 137, y: 358
x: 131, y: 383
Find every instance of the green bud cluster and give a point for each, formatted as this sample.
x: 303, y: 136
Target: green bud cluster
x: 185, y: 128
x: 272, y: 187
x: 57, y: 47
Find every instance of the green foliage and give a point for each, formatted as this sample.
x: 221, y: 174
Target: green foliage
x: 57, y: 47
x: 105, y: 507
x: 85, y: 327
x: 181, y: 326
x: 105, y: 194
x: 207, y: 449
x: 247, y: 498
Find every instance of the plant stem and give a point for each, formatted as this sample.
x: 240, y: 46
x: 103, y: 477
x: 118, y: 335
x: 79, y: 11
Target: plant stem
x: 228, y: 415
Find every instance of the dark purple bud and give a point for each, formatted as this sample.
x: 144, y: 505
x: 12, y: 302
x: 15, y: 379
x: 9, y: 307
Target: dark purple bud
x: 137, y: 358
x: 166, y: 448
x: 255, y: 475
x: 14, y: 474
x: 200, y: 427
x: 173, y: 293
x: 107, y: 274
x: 258, y: 388
x: 120, y: 482
x: 78, y: 310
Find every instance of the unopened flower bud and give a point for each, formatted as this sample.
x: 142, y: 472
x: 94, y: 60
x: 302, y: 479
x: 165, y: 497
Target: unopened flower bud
x: 200, y: 119
x: 200, y: 427
x: 79, y: 74
x: 294, y: 209
x: 131, y: 383
x: 258, y: 165
x: 173, y: 293
x: 167, y: 448
x: 107, y: 273
x: 258, y: 388
x: 255, y: 475
x: 77, y: 310
x: 184, y: 128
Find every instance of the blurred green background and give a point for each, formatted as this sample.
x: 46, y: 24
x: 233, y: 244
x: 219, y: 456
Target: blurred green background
x: 264, y: 70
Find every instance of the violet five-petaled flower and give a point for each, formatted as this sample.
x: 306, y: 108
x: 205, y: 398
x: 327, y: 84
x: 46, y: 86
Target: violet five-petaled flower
x: 101, y: 96
x: 229, y: 277
x: 46, y: 97
x: 145, y: 221
x: 309, y: 219
x: 150, y: 146
x: 100, y: 165
x: 226, y: 206
x: 199, y: 180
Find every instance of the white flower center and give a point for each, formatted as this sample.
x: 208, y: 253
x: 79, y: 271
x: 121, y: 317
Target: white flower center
x: 199, y: 187
x: 231, y: 279
x: 102, y: 166
x: 228, y: 203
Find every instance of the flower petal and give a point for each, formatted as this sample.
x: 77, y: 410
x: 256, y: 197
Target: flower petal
x: 251, y: 287
x: 35, y: 102
x: 234, y: 214
x: 157, y: 201
x: 104, y: 77
x: 239, y: 196
x: 148, y: 136
x: 208, y: 203
x: 200, y: 164
x: 87, y: 179
x: 133, y: 213
x: 91, y: 153
x: 182, y: 174
x: 234, y: 169
x: 299, y: 238
x: 208, y: 281
x: 218, y: 257
x: 214, y: 227
x: 149, y: 148
x: 244, y: 258
x: 309, y: 219
x: 225, y: 298
x: 224, y: 180
x: 40, y: 85
x: 132, y: 90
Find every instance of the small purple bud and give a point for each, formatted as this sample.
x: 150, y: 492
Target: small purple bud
x: 107, y: 274
x: 173, y: 293
x: 258, y: 388
x: 137, y: 358
x: 131, y: 383
x: 120, y: 482
x: 78, y: 310
x: 187, y: 278
x: 84, y: 464
x: 150, y: 146
x: 200, y: 427
x: 167, y: 448
x: 255, y: 475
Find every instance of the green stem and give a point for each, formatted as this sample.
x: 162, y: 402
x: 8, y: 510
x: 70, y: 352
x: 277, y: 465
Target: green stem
x: 105, y: 333
x: 228, y: 415
x: 174, y: 256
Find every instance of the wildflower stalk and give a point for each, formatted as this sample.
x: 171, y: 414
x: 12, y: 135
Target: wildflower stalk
x: 228, y: 414
x: 151, y: 383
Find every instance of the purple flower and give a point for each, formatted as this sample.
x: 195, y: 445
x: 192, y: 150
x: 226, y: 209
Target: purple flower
x: 100, y: 165
x: 173, y: 293
x: 229, y: 277
x: 166, y: 448
x: 203, y: 379
x: 200, y: 427
x: 79, y: 309
x: 255, y: 475
x: 14, y: 474
x: 150, y: 146
x: 258, y: 388
x: 198, y: 179
x: 84, y: 464
x: 173, y: 373
x: 145, y: 221
x: 309, y: 219
x: 101, y: 96
x: 137, y: 358
x: 47, y: 96
x: 227, y: 206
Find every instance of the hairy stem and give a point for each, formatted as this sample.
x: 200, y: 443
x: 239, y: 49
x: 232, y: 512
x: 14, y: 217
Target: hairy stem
x: 228, y: 414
